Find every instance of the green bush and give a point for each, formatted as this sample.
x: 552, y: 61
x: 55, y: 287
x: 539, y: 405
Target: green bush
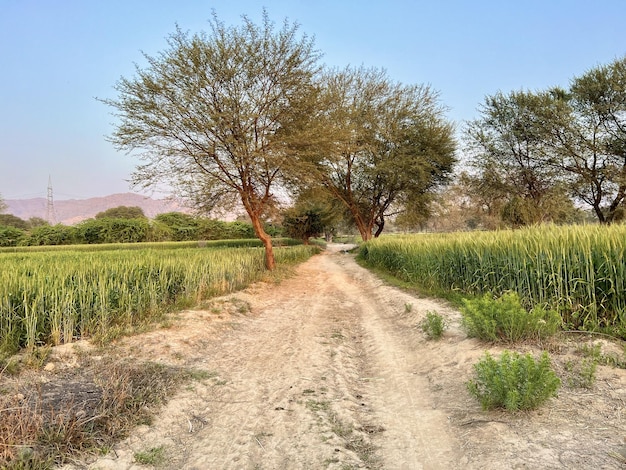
x: 58, y: 234
x: 109, y: 230
x: 11, y: 236
x: 505, y: 319
x: 433, y: 325
x: 513, y: 382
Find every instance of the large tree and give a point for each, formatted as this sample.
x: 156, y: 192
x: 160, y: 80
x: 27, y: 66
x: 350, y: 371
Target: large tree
x: 3, y: 205
x: 213, y: 115
x: 539, y: 149
x: 587, y: 134
x: 387, y: 145
x: 511, y: 171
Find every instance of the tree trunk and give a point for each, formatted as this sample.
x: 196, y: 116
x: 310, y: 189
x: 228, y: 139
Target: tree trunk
x: 381, y: 225
x: 270, y: 262
x: 364, y: 229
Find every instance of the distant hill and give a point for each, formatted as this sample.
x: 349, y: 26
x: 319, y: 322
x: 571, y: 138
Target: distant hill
x: 72, y: 211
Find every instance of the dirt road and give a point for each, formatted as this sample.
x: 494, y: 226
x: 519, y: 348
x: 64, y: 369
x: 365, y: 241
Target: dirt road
x: 328, y: 369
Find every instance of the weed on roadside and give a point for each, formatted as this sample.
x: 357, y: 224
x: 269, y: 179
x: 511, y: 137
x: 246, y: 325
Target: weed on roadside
x: 513, y: 381
x: 154, y: 456
x: 433, y: 325
x: 48, y: 423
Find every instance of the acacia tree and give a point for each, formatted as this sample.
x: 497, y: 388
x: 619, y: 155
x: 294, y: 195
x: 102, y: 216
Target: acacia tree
x: 546, y: 147
x: 209, y: 115
x: 387, y: 145
x: 586, y: 131
x: 511, y: 166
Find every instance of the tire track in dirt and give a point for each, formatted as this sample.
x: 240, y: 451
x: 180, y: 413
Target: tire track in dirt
x: 416, y: 434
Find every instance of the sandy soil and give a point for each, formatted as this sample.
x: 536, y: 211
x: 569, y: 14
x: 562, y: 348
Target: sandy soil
x: 329, y: 370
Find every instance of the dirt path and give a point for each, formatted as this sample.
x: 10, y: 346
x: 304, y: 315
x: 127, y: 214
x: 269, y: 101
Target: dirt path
x: 328, y: 369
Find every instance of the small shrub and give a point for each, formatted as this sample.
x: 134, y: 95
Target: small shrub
x: 513, y: 382
x: 154, y: 456
x: 581, y: 375
x: 433, y: 325
x: 505, y: 319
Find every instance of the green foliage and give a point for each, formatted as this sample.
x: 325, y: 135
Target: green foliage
x: 122, y: 212
x: 108, y: 230
x: 433, y: 325
x: 533, y: 151
x: 237, y: 100
x: 52, y: 235
x: 154, y: 456
x: 11, y: 236
x: 513, y: 381
x: 183, y: 226
x: 581, y: 374
x: 389, y: 147
x: 303, y: 223
x: 505, y: 319
x: 10, y: 220
x: 159, y: 232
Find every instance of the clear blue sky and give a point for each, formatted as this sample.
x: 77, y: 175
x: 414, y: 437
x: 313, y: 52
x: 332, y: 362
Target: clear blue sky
x: 57, y: 56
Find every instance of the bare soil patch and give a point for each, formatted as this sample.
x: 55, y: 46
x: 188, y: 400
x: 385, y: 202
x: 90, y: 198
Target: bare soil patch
x: 329, y: 370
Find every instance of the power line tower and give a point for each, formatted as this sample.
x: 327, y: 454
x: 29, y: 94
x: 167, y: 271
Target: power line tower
x: 50, y: 217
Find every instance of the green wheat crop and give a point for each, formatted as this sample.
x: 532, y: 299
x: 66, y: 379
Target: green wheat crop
x: 578, y: 270
x: 57, y: 296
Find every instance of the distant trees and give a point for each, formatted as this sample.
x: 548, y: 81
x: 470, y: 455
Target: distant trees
x: 11, y: 236
x: 10, y: 220
x: 536, y: 153
x: 122, y: 212
x: 173, y: 226
x: 52, y: 235
x: 3, y: 205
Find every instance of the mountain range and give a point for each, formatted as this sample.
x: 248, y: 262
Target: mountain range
x: 72, y: 211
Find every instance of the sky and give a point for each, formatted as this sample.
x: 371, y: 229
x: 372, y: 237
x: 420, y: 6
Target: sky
x: 58, y: 57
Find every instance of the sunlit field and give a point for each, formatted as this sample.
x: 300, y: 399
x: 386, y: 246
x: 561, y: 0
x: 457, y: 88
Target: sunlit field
x: 578, y: 270
x: 59, y: 295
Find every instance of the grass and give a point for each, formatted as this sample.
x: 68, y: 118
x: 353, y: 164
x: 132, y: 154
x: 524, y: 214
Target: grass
x: 55, y: 297
x: 154, y: 456
x: 433, y: 325
x: 44, y: 425
x: 579, y: 271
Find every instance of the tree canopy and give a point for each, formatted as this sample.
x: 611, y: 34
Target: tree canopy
x: 122, y: 212
x: 213, y: 114
x: 508, y: 154
x: 542, y: 151
x: 387, y: 145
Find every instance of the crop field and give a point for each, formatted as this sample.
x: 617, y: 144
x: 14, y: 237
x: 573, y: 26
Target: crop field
x: 56, y: 296
x: 578, y: 270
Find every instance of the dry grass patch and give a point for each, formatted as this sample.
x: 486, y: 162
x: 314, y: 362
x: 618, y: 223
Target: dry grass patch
x: 48, y: 422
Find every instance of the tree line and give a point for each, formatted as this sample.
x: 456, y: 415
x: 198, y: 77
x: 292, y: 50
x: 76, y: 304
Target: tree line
x: 123, y: 225
x: 553, y: 155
